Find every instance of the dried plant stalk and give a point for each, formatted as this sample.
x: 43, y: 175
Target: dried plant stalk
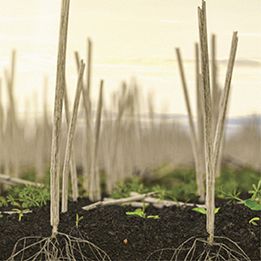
x: 219, y: 134
x: 216, y: 95
x: 17, y: 181
x: 200, y: 114
x: 11, y: 129
x: 210, y: 177
x: 58, y: 105
x: 88, y: 110
x: 120, y: 201
x: 194, y: 142
x: 89, y: 67
x: 73, y: 168
x: 94, y: 191
x: 69, y: 143
x: 2, y: 153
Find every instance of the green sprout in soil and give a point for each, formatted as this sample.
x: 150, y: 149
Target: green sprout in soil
x: 20, y: 212
x: 253, y: 203
x: 253, y: 221
x: 256, y: 192
x: 140, y: 212
x: 78, y: 218
x: 204, y: 210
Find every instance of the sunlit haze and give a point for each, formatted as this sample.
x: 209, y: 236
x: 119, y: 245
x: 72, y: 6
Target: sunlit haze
x: 131, y: 39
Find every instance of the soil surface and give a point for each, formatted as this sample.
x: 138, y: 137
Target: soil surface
x: 129, y: 238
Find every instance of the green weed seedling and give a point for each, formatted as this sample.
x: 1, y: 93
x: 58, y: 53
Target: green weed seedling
x: 28, y: 197
x: 254, y: 220
x: 204, y: 210
x: 20, y: 212
x: 3, y: 202
x: 253, y: 203
x: 123, y: 190
x: 77, y: 220
x: 140, y: 212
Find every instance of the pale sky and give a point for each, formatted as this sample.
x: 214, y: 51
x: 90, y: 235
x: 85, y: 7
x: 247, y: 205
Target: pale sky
x: 132, y: 38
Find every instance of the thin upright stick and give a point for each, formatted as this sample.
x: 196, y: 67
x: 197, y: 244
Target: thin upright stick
x: 216, y: 95
x: 87, y: 108
x: 89, y: 67
x: 200, y: 114
x: 214, y: 72
x: 199, y: 174
x: 95, y: 193
x: 210, y: 177
x: 1, y: 126
x: 57, y: 118
x: 12, y: 131
x: 73, y: 168
x: 224, y: 103
x: 69, y: 142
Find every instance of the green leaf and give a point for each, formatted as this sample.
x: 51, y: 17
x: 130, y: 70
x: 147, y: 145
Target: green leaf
x: 204, y: 210
x: 252, y: 221
x: 216, y: 210
x: 200, y: 210
x: 252, y: 204
x: 154, y: 217
x: 138, y: 212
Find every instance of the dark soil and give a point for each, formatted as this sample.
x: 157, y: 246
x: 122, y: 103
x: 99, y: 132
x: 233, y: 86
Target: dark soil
x: 126, y: 238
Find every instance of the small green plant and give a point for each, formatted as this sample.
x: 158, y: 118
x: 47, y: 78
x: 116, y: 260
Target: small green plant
x: 256, y: 192
x: 230, y: 196
x: 28, y: 197
x: 140, y: 212
x: 253, y: 203
x: 78, y: 219
x: 3, y: 202
x: 20, y: 212
x: 204, y: 210
x: 253, y: 221
x: 123, y: 190
x: 163, y: 193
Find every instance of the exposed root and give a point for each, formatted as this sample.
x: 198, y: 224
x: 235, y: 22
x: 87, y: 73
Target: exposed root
x: 223, y: 249
x: 63, y: 247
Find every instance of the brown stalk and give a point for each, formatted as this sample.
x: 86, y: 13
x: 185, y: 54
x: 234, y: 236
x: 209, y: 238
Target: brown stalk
x: 94, y: 192
x: 57, y: 117
x: 219, y: 134
x: 194, y: 143
x: 216, y: 95
x: 73, y: 169
x: 87, y: 108
x: 200, y: 114
x: 69, y: 144
x: 210, y: 177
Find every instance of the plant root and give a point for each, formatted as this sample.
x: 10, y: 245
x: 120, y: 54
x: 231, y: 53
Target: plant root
x: 223, y: 249
x: 63, y: 247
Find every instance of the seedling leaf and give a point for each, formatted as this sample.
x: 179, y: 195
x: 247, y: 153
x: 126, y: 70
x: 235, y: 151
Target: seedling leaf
x: 154, y: 217
x: 204, y: 210
x: 137, y: 212
x: 252, y: 204
x: 253, y: 221
x: 200, y: 210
